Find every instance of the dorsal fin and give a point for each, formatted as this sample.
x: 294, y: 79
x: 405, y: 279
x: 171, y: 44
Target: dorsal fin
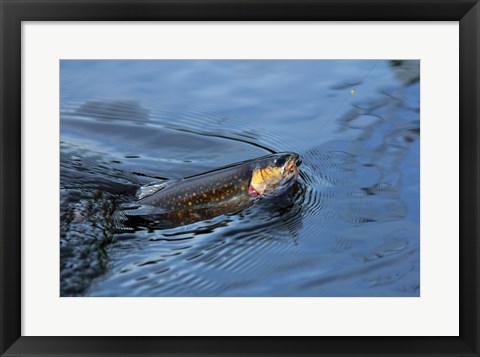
x: 151, y: 188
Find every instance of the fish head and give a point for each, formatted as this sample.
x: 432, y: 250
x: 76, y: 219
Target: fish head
x: 274, y: 174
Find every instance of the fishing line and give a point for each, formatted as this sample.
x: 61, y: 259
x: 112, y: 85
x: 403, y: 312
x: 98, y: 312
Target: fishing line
x: 352, y: 92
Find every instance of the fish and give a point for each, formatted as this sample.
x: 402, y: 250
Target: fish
x: 224, y: 190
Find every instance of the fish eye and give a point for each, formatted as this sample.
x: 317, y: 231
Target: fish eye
x: 279, y: 162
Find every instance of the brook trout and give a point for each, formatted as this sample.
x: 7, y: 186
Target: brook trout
x: 224, y: 190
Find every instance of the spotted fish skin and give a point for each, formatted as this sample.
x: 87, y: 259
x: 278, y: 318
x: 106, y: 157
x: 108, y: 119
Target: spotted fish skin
x: 225, y: 190
x: 202, y: 191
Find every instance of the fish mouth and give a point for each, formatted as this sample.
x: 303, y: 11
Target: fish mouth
x: 298, y: 160
x: 295, y: 158
x: 292, y: 173
x: 294, y: 162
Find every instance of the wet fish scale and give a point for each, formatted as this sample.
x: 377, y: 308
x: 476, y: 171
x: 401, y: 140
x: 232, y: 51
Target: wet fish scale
x: 203, y: 189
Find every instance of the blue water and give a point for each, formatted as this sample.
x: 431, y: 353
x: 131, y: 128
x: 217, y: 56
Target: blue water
x: 351, y: 227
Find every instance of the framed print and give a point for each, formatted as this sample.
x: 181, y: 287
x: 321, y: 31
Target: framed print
x: 233, y: 177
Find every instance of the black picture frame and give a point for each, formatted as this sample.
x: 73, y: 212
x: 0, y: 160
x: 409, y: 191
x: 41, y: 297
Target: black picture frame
x: 13, y: 12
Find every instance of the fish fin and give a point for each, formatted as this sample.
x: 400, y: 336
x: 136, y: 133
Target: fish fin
x: 119, y: 219
x: 151, y: 188
x: 142, y: 210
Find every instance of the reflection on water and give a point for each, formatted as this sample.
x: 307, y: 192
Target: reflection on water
x: 349, y: 227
